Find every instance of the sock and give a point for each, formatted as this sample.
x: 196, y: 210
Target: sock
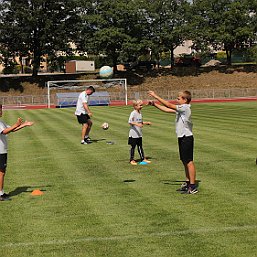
x: 192, y: 186
x: 1, y: 192
x: 86, y: 136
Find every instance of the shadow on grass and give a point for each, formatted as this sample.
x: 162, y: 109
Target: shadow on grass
x: 25, y: 189
x: 97, y: 140
x: 177, y: 182
x: 129, y: 180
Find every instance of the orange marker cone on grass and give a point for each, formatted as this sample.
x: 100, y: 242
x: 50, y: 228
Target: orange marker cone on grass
x: 37, y: 192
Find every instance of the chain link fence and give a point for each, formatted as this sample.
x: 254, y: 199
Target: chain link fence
x: 135, y: 94
x: 198, y: 94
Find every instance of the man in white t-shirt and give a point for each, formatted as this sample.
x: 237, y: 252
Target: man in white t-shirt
x: 83, y: 114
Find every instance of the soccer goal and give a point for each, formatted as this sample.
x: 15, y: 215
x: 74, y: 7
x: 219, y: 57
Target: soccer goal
x: 64, y: 93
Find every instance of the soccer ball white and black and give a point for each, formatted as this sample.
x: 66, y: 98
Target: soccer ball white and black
x: 105, y: 126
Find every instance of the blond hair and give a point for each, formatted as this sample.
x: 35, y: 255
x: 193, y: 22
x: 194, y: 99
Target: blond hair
x: 137, y: 102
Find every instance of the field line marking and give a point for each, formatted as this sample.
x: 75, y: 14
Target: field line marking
x: 130, y: 237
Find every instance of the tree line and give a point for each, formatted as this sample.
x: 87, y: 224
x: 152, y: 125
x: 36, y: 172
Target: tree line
x: 121, y: 29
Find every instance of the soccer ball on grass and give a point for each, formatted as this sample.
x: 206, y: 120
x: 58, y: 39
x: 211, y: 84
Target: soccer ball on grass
x: 105, y: 126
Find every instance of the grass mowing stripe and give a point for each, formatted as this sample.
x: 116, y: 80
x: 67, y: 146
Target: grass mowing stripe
x: 129, y: 237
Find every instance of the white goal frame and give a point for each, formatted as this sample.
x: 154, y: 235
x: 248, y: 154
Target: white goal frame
x: 57, y: 84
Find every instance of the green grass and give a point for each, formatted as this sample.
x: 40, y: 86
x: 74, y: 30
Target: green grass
x: 96, y: 204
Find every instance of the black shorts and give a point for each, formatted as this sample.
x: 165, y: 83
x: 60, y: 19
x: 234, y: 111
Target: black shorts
x: 3, y: 161
x: 83, y: 118
x: 135, y: 141
x: 186, y: 149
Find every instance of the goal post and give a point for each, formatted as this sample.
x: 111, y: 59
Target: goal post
x: 116, y: 88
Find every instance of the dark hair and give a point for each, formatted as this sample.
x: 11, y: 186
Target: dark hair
x: 91, y: 88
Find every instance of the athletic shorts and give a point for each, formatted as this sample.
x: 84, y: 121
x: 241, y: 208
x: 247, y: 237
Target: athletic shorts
x: 3, y: 161
x: 186, y: 149
x: 135, y: 141
x: 83, y: 118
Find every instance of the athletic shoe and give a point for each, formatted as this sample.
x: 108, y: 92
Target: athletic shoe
x: 88, y: 140
x: 5, y: 197
x: 85, y: 142
x: 183, y: 187
x: 133, y: 163
x: 145, y: 160
x: 191, y: 191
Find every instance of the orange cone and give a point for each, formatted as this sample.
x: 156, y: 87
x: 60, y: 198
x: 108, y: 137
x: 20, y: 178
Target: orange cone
x: 37, y: 192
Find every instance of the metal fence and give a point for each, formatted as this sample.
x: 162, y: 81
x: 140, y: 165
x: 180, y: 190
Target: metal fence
x: 23, y: 100
x: 198, y: 93
x: 136, y: 94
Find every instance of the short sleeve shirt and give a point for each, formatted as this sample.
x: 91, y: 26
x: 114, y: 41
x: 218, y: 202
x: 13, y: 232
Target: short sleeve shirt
x: 135, y: 131
x: 184, y: 123
x: 83, y: 98
x: 3, y: 138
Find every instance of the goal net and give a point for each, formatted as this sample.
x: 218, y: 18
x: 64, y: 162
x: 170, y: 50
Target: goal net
x: 64, y: 93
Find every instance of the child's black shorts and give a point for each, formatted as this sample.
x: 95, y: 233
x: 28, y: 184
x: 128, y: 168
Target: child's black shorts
x: 3, y: 161
x: 83, y: 118
x: 135, y: 141
x: 186, y: 148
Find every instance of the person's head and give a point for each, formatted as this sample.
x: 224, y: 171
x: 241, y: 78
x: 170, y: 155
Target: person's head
x: 90, y: 90
x: 184, y: 97
x: 1, y: 110
x: 138, y: 104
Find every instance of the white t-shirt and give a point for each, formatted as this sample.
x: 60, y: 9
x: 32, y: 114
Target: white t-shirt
x: 3, y: 138
x: 135, y: 131
x: 184, y: 124
x: 83, y: 98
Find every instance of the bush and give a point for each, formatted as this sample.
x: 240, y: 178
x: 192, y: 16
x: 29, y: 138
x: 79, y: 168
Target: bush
x: 11, y: 69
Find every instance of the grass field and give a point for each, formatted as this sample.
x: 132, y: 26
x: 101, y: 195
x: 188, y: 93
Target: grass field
x: 96, y: 204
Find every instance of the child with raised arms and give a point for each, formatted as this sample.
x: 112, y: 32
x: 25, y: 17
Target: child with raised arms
x: 184, y: 133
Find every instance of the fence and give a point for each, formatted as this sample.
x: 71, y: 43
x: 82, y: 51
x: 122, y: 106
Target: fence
x: 135, y: 94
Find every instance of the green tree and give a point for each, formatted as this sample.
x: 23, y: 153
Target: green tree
x: 167, y: 21
x: 112, y: 28
x: 37, y: 27
x: 221, y: 24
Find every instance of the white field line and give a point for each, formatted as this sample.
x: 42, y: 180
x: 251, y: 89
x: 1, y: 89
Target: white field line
x: 131, y: 237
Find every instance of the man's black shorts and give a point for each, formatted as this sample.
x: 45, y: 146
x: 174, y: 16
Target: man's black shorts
x: 135, y: 141
x: 3, y: 161
x: 83, y: 118
x: 186, y: 149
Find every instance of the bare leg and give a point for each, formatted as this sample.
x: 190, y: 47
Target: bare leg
x: 191, y: 172
x: 89, y: 126
x: 84, y: 130
x: 186, y: 172
x: 2, y: 174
